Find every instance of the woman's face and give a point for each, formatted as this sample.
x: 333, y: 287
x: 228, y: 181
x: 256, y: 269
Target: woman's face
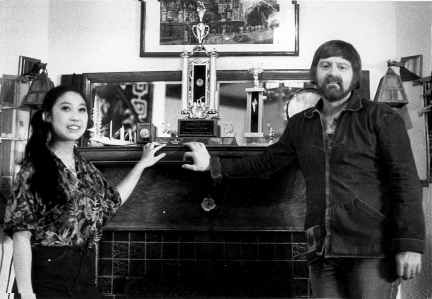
x: 68, y: 117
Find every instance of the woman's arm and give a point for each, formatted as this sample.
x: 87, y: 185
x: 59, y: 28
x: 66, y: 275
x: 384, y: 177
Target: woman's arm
x: 126, y: 186
x: 22, y: 261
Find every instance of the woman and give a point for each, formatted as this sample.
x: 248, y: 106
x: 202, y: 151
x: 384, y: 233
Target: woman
x: 61, y: 201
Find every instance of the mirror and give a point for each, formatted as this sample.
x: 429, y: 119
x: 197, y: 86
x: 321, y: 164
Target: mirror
x: 126, y: 98
x: 155, y: 97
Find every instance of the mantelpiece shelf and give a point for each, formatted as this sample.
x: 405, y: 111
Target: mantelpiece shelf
x: 174, y: 154
x: 169, y: 197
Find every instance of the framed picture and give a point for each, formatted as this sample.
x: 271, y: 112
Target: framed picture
x: 233, y: 27
x: 26, y: 64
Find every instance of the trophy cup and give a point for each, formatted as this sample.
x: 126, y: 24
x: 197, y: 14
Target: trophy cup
x: 254, y: 110
x: 200, y: 103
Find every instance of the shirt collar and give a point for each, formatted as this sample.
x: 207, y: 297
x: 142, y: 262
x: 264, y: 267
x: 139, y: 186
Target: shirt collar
x: 353, y: 104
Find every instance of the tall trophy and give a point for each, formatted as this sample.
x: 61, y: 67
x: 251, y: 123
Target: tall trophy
x: 200, y: 102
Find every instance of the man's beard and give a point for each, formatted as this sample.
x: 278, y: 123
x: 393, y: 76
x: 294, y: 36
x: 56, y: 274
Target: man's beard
x: 332, y: 93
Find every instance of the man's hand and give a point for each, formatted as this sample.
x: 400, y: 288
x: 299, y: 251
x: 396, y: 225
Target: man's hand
x: 408, y: 264
x: 199, y: 155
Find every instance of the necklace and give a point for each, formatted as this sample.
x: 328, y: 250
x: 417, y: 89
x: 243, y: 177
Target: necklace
x: 68, y: 162
x: 70, y: 166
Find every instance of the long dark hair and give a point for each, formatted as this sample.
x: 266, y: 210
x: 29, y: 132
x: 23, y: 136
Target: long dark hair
x: 46, y: 175
x: 338, y: 48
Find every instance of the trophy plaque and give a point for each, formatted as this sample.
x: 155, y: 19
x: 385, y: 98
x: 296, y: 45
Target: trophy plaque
x: 194, y: 127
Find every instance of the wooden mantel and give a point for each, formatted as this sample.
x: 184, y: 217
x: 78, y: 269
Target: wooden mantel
x: 169, y: 197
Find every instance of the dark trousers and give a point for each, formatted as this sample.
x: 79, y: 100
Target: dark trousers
x: 64, y: 272
x: 354, y: 278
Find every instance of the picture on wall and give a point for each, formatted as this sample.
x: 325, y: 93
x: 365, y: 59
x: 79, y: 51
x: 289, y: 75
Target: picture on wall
x: 26, y: 65
x: 234, y: 27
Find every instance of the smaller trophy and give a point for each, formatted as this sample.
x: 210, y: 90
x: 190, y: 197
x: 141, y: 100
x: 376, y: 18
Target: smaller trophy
x: 254, y: 111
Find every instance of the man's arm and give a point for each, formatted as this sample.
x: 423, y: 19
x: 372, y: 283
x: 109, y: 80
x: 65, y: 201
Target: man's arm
x: 408, y: 241
x: 263, y: 165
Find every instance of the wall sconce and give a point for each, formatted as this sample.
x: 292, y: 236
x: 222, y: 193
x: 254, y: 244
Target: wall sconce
x: 40, y: 85
x: 390, y: 89
x: 410, y: 67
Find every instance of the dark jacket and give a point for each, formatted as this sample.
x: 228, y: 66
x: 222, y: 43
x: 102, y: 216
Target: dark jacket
x: 363, y: 194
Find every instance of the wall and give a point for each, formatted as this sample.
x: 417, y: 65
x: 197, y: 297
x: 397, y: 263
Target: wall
x: 76, y: 36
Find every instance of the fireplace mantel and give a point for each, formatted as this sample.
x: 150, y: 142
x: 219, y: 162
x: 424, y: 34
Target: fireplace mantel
x: 168, y: 197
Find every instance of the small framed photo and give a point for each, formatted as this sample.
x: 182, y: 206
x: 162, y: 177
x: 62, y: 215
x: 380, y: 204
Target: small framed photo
x: 233, y: 28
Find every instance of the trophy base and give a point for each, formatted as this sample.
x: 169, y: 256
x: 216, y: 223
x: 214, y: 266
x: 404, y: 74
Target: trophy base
x: 208, y: 141
x: 198, y: 128
x: 256, y: 139
x: 254, y: 135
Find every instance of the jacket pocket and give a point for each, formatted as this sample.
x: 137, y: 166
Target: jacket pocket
x: 357, y: 229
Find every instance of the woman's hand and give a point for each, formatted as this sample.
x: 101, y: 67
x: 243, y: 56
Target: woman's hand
x: 148, y: 157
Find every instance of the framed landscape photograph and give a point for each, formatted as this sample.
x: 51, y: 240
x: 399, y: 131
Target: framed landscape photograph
x: 233, y: 27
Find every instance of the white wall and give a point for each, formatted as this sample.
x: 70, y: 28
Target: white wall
x: 78, y: 36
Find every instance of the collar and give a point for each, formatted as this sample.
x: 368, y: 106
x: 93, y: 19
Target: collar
x: 354, y: 103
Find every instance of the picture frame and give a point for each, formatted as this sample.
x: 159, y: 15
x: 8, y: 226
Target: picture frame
x: 234, y: 29
x: 26, y: 64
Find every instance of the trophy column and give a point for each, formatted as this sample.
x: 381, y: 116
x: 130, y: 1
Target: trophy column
x: 254, y: 110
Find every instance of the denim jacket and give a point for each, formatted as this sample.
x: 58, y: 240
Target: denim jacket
x: 363, y: 194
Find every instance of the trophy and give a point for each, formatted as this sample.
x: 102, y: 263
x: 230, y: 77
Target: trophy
x: 254, y: 110
x: 200, y: 103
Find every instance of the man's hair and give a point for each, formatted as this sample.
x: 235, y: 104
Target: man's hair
x: 338, y: 48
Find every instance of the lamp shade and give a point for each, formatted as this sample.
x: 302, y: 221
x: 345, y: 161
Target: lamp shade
x: 391, y: 90
x: 39, y: 87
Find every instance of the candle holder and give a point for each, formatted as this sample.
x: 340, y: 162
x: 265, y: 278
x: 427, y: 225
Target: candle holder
x: 200, y: 102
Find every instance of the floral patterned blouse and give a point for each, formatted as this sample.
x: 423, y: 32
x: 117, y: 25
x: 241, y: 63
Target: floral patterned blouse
x: 91, y: 203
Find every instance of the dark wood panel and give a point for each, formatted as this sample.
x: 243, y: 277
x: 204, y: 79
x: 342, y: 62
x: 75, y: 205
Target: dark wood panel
x: 169, y: 197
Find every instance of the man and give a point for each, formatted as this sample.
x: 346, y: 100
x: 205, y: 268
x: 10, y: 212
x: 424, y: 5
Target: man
x: 364, y: 221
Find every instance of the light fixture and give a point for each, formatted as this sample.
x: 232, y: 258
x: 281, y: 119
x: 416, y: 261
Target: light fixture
x: 40, y: 85
x: 410, y: 67
x: 391, y: 90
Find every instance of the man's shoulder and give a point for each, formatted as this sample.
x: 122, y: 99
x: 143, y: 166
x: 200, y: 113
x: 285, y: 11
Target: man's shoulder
x: 372, y: 106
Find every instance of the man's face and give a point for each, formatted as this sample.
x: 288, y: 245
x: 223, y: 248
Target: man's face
x: 334, y: 78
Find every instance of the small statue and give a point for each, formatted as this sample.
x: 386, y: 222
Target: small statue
x: 255, y: 71
x: 271, y: 134
x: 201, y: 10
x: 229, y: 129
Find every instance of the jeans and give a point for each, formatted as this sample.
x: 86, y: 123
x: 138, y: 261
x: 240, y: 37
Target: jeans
x: 64, y: 272
x: 354, y: 278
